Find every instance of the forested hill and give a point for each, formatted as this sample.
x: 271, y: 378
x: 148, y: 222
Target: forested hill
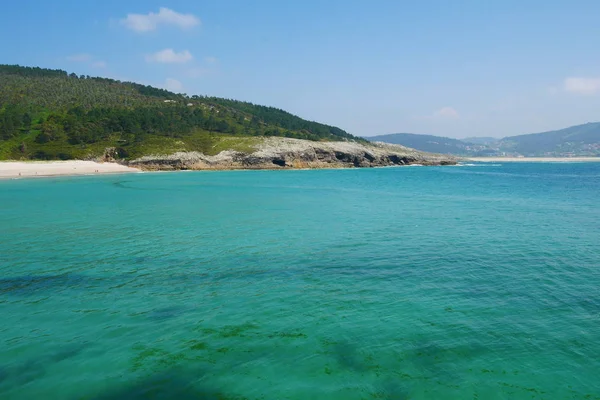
x: 48, y: 114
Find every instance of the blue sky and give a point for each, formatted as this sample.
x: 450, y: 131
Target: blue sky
x: 470, y: 68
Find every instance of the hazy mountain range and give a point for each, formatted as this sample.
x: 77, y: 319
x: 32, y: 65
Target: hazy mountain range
x: 580, y: 140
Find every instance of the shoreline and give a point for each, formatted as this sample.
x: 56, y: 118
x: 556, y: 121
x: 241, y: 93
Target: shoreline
x: 10, y: 170
x: 288, y: 153
x: 270, y: 153
x: 45, y: 169
x: 34, y: 169
x: 533, y: 159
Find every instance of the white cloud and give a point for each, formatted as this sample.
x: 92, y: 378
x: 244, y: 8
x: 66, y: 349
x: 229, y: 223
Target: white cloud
x: 170, y: 56
x: 173, y: 85
x: 586, y: 86
x: 83, y: 57
x: 446, y: 112
x: 149, y: 22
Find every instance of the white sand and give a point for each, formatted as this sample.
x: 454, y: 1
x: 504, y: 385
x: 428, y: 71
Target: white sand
x: 20, y: 169
x: 534, y: 159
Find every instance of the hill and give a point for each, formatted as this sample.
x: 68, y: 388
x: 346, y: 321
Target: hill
x: 429, y: 143
x: 580, y: 140
x: 50, y: 114
x: 480, y: 140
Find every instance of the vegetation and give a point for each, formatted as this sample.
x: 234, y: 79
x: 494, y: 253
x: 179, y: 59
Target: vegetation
x: 50, y: 114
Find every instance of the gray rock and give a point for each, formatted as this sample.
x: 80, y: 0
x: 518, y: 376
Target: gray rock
x: 286, y: 153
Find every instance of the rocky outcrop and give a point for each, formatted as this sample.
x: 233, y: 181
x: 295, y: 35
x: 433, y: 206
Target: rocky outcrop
x: 111, y: 154
x: 286, y: 153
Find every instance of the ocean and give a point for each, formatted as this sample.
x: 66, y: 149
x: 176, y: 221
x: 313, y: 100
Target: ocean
x: 467, y: 282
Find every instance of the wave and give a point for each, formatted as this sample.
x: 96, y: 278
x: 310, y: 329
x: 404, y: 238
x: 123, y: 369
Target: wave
x: 478, y: 165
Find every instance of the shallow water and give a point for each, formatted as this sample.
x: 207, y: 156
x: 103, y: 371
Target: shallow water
x: 399, y: 283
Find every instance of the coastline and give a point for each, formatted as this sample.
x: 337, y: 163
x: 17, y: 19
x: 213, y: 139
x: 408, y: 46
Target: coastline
x: 48, y: 169
x: 277, y: 153
x: 32, y: 169
x: 269, y: 153
x: 533, y: 159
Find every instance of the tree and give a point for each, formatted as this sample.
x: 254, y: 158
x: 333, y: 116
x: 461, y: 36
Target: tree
x: 223, y: 126
x: 26, y: 122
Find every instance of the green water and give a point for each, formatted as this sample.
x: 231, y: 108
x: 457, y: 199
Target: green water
x: 471, y: 282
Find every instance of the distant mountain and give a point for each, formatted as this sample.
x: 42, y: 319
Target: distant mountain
x: 580, y: 140
x: 481, y: 140
x: 575, y: 140
x: 429, y: 143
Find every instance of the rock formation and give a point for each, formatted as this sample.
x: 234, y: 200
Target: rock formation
x: 286, y: 153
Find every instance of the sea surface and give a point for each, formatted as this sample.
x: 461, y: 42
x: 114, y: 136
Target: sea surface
x: 471, y: 282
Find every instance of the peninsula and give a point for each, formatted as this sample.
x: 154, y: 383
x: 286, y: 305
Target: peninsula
x: 48, y: 115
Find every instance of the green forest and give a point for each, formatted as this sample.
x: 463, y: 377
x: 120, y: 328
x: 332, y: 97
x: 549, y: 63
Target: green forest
x: 51, y: 114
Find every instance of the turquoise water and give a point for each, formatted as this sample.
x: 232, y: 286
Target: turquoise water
x: 471, y: 282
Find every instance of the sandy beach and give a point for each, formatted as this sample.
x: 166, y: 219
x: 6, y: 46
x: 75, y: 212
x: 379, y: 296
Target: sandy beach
x: 534, y: 159
x: 22, y: 169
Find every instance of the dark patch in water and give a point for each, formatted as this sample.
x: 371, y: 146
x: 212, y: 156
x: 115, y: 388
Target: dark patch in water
x: 291, y: 335
x: 156, y: 358
x: 142, y: 260
x: 429, y: 357
x: 349, y: 357
x: 435, y: 361
x: 197, y: 345
x: 166, y: 313
x: 230, y: 331
x: 390, y: 390
x: 66, y: 353
x: 191, y: 278
x: 167, y: 378
x: 30, y: 284
x: 244, y: 275
x: 346, y: 354
x: 173, y: 384
x: 3, y: 374
x: 123, y: 185
x: 590, y: 304
x: 23, y: 373
x: 29, y: 370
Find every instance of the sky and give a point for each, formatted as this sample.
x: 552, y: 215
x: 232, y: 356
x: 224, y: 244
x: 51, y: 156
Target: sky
x: 451, y: 68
